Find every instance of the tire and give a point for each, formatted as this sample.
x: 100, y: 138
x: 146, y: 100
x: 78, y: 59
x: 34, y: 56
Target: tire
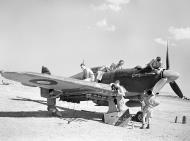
x: 139, y: 116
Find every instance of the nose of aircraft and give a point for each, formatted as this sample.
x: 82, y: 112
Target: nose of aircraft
x: 171, y: 75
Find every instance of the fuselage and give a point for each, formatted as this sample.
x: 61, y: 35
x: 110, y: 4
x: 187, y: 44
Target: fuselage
x: 131, y: 79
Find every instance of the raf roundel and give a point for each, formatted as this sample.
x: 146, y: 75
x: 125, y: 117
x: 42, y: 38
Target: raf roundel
x: 43, y: 81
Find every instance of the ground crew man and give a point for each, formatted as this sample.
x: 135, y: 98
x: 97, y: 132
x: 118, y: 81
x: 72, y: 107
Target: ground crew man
x: 148, y: 103
x: 154, y: 65
x: 88, y: 75
x: 51, y: 100
x: 120, y: 95
x: 51, y: 103
x: 117, y: 66
x: 101, y: 72
x: 104, y: 69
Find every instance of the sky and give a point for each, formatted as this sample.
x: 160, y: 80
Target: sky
x: 60, y: 34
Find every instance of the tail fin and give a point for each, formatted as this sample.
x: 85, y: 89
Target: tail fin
x: 45, y: 70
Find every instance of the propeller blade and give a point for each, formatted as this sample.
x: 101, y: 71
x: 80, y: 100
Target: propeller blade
x: 176, y: 89
x: 167, y: 59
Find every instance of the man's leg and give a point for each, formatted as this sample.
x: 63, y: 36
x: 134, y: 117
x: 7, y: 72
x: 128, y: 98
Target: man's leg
x: 147, y: 69
x: 111, y: 106
x: 121, y: 104
x: 99, y: 76
x: 148, y: 119
x: 144, y: 120
x: 51, y: 103
x: 148, y: 123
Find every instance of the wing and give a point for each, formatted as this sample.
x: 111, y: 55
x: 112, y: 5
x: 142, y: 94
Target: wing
x: 63, y: 84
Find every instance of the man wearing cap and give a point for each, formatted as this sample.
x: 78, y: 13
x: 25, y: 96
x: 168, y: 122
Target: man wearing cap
x: 117, y: 66
x: 154, y: 65
x: 120, y: 95
x: 104, y: 69
x: 149, y: 103
x: 88, y: 75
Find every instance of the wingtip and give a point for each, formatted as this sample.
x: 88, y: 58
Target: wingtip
x: 2, y: 71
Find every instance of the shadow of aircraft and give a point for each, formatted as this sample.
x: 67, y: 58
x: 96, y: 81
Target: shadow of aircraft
x: 67, y: 114
x: 25, y: 114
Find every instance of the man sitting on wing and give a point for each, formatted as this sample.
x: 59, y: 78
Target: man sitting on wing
x: 104, y: 69
x: 88, y: 75
x: 154, y: 65
x: 117, y: 66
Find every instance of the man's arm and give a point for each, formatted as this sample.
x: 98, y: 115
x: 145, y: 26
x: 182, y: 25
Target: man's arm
x: 121, y: 91
x: 84, y: 74
x: 150, y: 63
x: 161, y: 65
x: 153, y: 101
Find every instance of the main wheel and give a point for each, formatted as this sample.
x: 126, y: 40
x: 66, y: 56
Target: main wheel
x: 139, y: 116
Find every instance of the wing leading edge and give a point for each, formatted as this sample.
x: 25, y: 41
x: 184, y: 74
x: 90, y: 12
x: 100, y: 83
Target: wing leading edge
x: 58, y: 83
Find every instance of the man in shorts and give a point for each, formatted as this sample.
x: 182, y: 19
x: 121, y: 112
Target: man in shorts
x: 149, y: 103
x: 120, y: 95
x: 88, y: 75
x: 154, y: 65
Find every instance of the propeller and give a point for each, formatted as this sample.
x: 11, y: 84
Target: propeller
x: 173, y: 84
x: 176, y: 89
x: 167, y: 59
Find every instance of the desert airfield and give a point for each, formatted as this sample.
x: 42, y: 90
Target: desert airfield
x: 23, y: 116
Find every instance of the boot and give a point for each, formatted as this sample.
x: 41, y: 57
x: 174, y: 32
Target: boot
x: 143, y: 126
x: 148, y: 126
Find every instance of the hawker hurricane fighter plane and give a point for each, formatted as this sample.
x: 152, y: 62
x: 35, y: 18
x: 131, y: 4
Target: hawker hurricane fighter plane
x: 73, y: 89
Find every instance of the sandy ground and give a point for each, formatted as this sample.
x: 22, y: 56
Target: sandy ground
x: 23, y: 116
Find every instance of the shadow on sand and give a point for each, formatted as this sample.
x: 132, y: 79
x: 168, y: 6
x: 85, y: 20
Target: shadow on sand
x: 66, y: 112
